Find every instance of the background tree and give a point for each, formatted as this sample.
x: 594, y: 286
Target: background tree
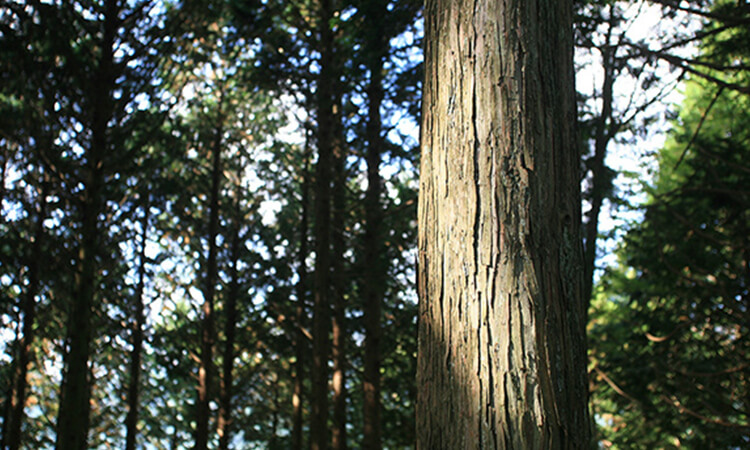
x: 629, y: 66
x: 145, y: 323
x: 679, y: 301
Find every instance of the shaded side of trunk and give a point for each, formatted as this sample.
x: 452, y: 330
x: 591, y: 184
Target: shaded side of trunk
x: 374, y: 274
x: 502, y: 357
x: 73, y: 414
x: 206, y: 368
x: 17, y: 400
x: 301, y: 344
x: 131, y: 419
x: 230, y: 331
x: 338, y: 349
x: 322, y: 295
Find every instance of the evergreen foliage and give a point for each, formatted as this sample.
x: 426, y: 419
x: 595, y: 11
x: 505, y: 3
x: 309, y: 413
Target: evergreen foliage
x: 669, y: 326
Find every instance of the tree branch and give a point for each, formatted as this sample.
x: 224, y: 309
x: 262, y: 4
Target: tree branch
x: 685, y: 410
x: 698, y: 128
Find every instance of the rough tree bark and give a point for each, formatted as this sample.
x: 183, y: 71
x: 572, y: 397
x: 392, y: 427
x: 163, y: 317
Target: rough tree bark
x: 502, y: 358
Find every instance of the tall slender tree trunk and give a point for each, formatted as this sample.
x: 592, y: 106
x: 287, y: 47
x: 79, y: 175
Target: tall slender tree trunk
x: 502, y: 357
x: 322, y: 290
x: 23, y: 358
x: 3, y: 173
x: 230, y: 328
x: 600, y: 180
x: 206, y: 368
x: 374, y: 275
x: 7, y: 413
x: 300, y: 344
x: 131, y: 419
x: 73, y: 414
x: 338, y: 349
x: 274, y: 438
x: 9, y: 393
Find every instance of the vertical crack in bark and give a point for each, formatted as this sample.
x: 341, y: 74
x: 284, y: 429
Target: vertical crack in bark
x: 508, y: 429
x: 480, y: 417
x: 478, y: 241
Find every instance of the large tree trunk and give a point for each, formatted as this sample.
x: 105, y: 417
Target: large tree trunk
x: 17, y: 400
x: 374, y: 274
x: 321, y: 296
x: 502, y: 358
x: 73, y: 414
x: 131, y: 419
x: 206, y: 367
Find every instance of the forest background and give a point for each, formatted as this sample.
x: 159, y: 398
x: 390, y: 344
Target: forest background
x: 175, y: 174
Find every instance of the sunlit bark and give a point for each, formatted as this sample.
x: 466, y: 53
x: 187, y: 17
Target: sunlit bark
x: 502, y: 360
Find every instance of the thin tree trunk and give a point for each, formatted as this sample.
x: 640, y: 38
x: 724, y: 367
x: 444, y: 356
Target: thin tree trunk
x: 338, y: 349
x: 7, y: 401
x: 301, y: 344
x: 3, y: 173
x: 23, y: 357
x: 321, y: 298
x: 175, y: 441
x: 131, y: 419
x: 273, y: 441
x: 206, y: 368
x: 225, y: 407
x: 73, y: 413
x: 7, y: 412
x: 502, y: 357
x: 374, y: 267
x: 600, y: 181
